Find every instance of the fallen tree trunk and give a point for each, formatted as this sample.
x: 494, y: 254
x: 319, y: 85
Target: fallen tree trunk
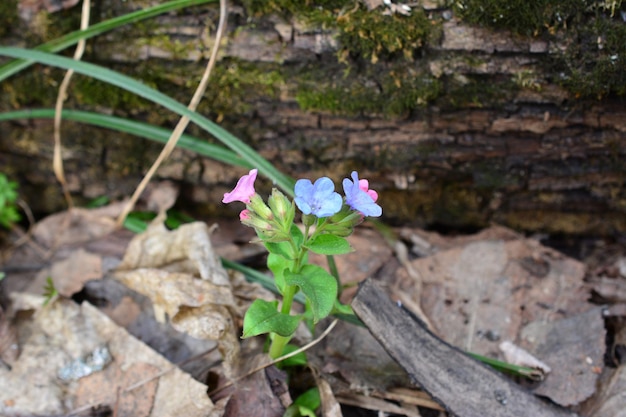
x: 459, y: 126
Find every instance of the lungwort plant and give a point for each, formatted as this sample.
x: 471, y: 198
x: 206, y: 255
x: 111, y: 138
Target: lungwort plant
x: 327, y: 219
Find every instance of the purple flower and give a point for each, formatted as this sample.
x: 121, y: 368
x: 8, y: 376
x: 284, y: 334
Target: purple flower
x: 244, y: 189
x: 358, y: 199
x: 319, y: 199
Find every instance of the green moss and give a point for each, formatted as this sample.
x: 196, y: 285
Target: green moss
x: 393, y: 90
x: 371, y: 34
x: 477, y: 91
x: 522, y: 16
x: 361, y: 33
x: 235, y: 85
x: 594, y: 65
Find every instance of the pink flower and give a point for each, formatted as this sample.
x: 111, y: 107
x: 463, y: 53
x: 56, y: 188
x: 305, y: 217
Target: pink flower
x: 244, y: 215
x: 364, y: 185
x: 244, y: 189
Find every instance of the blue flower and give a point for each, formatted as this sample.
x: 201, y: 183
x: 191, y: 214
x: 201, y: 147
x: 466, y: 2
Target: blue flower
x: 319, y: 199
x: 358, y: 199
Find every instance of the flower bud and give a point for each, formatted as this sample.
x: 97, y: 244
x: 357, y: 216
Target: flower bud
x: 251, y: 219
x: 309, y: 219
x: 258, y: 207
x: 347, y: 218
x: 283, y: 209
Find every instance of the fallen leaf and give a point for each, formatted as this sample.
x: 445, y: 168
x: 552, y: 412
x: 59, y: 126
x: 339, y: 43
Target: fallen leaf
x: 573, y: 348
x: 179, y: 272
x: 137, y: 402
x: 261, y: 394
x: 63, y: 332
x: 70, y: 275
x: 610, y: 399
x: 187, y: 249
x: 330, y: 406
x: 478, y: 293
x: 76, y: 226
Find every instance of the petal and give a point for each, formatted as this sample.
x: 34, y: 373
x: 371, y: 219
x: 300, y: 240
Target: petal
x: 331, y: 206
x: 347, y: 186
x: 373, y: 194
x: 303, y: 187
x: 323, y: 187
x: 243, y: 190
x: 303, y: 205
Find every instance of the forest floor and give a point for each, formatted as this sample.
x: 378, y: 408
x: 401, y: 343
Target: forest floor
x: 150, y: 324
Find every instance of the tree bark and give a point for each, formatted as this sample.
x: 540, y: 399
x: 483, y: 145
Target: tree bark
x: 488, y: 136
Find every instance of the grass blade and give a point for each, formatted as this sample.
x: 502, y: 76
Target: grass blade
x: 144, y: 130
x: 133, y: 86
x: 72, y: 38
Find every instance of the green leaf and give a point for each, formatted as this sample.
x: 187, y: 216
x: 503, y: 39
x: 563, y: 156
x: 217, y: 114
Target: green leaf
x: 309, y: 399
x: 278, y: 264
x: 297, y: 360
x: 328, y: 244
x: 144, y: 130
x: 120, y: 80
x: 305, y: 405
x: 49, y: 291
x: 295, y: 410
x: 318, y: 286
x: 263, y: 317
x: 282, y: 249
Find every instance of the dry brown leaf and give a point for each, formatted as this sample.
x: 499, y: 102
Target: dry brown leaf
x: 64, y: 332
x: 261, y: 394
x: 179, y: 272
x: 112, y: 382
x: 610, y: 400
x: 70, y: 275
x: 330, y: 406
x: 187, y: 249
x: 481, y: 289
x: 574, y: 349
x: 76, y: 226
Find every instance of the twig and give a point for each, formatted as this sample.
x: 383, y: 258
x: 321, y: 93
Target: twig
x: 279, y: 359
x: 183, y: 122
x: 57, y: 159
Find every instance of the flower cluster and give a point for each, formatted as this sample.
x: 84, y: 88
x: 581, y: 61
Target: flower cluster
x: 318, y: 199
x: 327, y: 218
